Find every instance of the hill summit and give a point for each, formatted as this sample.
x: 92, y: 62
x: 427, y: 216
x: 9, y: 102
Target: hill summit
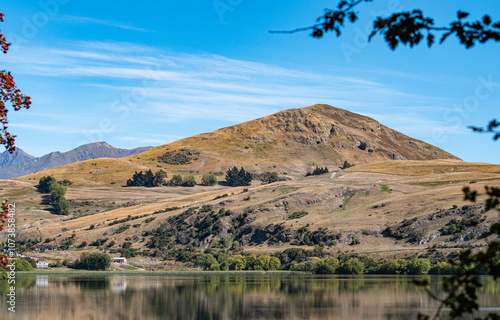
x: 289, y: 142
x: 298, y: 138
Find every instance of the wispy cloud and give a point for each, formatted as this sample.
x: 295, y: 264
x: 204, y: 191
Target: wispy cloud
x: 110, y: 23
x: 46, y: 128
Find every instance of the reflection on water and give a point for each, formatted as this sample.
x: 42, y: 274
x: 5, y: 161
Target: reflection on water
x: 224, y: 297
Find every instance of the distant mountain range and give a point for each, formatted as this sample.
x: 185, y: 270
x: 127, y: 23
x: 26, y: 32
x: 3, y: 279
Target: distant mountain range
x: 20, y: 163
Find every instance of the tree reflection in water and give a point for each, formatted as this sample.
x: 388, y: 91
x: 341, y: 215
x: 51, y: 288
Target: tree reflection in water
x: 226, y: 297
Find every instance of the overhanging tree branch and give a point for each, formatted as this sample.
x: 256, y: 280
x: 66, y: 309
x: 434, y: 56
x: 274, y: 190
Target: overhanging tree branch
x: 407, y: 28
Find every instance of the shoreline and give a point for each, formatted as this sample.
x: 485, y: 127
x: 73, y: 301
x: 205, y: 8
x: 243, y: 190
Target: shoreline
x: 162, y: 272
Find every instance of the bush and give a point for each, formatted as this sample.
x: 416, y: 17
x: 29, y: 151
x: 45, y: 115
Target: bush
x: 209, y: 179
x: 355, y: 241
x: 98, y: 242
x: 267, y: 177
x: 189, y: 182
x: 362, y: 146
x: 207, y: 208
x: 176, y: 180
x: 455, y: 226
x: 235, y: 177
x: 418, y: 266
x: 180, y: 157
x: 327, y: 266
x: 385, y: 188
x: 297, y: 215
x: 318, y: 171
x: 443, y: 268
x: 347, y: 165
x: 93, y: 261
x: 122, y: 228
x: 65, y: 182
x: 23, y: 265
x: 45, y: 183
x: 159, y: 178
x: 352, y: 266
x: 83, y: 244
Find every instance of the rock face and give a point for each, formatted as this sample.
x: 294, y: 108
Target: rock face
x: 292, y: 140
x: 20, y: 163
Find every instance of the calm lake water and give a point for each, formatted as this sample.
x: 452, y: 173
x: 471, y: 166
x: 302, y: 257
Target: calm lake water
x: 224, y: 297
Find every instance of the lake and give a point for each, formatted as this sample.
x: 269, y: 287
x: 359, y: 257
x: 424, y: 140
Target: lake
x: 245, y: 296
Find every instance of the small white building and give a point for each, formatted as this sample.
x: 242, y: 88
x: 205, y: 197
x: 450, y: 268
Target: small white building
x: 42, y: 265
x: 120, y: 260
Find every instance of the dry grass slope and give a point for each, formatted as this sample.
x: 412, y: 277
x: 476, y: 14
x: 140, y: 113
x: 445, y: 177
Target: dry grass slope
x: 290, y: 142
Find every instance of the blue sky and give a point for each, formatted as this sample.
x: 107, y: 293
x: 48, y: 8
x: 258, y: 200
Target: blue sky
x: 146, y: 73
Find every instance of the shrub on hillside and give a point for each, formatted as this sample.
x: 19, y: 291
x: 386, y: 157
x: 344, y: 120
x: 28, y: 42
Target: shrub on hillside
x: 347, y: 165
x: 189, y: 182
x: 180, y: 157
x: 176, y: 180
x: 267, y: 177
x: 209, y: 179
x: 318, y: 171
x: 297, y: 215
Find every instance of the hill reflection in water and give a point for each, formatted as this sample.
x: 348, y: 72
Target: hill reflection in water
x: 225, y: 297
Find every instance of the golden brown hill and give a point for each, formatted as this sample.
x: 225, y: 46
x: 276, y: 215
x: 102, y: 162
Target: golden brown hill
x: 296, y: 139
x: 291, y: 141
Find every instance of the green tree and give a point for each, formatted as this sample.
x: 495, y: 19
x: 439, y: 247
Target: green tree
x: 176, y: 180
x: 251, y: 261
x: 273, y: 177
x: 347, y: 165
x: 23, y: 265
x: 352, y: 266
x: 443, y: 268
x: 312, y: 264
x: 274, y: 263
x: 60, y: 204
x: 149, y: 178
x: 209, y: 179
x: 93, y: 261
x: 327, y: 266
x: 189, y: 182
x: 418, y: 266
x: 159, y: 178
x: 263, y: 262
x: 395, y: 266
x: 207, y: 262
x: 235, y: 177
x: 45, y: 183
x: 137, y: 180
